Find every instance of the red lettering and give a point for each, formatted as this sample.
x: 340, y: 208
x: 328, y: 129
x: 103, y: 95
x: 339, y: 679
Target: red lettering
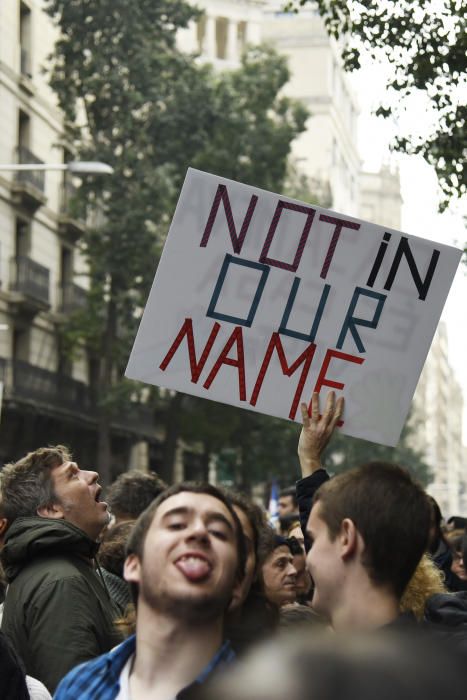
x: 324, y: 381
x: 196, y: 367
x: 237, y: 241
x: 305, y: 358
x: 223, y: 359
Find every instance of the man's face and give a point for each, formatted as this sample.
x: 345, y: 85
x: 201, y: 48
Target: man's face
x: 324, y: 564
x: 286, y: 506
x: 190, y: 558
x: 77, y: 498
x: 279, y: 576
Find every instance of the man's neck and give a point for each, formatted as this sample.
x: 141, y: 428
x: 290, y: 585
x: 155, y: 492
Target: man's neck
x: 364, y: 608
x: 170, y: 654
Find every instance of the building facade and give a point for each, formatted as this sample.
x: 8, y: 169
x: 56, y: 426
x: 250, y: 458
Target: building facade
x: 437, y: 415
x: 47, y: 395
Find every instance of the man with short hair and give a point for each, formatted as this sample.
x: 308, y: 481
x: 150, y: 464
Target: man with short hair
x: 186, y: 559
x: 287, y: 504
x: 368, y: 529
x: 57, y: 612
x: 132, y: 492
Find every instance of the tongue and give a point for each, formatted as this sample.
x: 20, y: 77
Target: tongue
x: 194, y: 569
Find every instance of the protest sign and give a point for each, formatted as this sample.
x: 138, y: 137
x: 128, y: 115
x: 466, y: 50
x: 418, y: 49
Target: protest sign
x: 259, y: 300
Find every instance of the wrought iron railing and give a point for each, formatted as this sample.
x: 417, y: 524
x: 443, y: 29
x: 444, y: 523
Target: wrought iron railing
x: 30, y: 278
x: 31, y: 382
x: 33, y: 177
x: 73, y: 298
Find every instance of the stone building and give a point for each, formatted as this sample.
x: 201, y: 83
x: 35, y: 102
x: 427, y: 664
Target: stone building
x: 47, y: 397
x: 437, y: 415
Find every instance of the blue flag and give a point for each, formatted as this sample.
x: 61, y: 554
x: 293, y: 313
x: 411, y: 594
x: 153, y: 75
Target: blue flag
x: 274, y: 503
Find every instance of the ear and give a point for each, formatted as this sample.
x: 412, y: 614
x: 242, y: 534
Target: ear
x: 348, y: 538
x: 52, y: 510
x: 132, y: 569
x: 3, y: 526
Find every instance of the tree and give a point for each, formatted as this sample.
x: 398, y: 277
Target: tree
x: 345, y: 452
x: 133, y: 100
x: 425, y: 44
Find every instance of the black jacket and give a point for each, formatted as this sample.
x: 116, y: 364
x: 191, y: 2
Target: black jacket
x: 305, y: 490
x: 57, y: 611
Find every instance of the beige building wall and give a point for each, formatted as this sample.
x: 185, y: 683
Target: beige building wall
x: 437, y: 416
x: 30, y: 119
x: 224, y: 30
x: 380, y: 197
x: 327, y: 150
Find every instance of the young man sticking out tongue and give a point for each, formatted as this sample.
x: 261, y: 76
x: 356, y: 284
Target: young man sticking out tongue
x: 186, y: 557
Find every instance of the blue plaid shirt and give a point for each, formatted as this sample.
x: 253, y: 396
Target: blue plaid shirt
x: 99, y: 679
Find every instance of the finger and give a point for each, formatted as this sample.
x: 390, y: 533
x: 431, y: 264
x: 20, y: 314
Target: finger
x: 338, y: 411
x: 305, y: 414
x: 315, y: 406
x: 330, y: 405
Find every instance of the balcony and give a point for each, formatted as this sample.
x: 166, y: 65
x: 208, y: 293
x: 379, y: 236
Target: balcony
x: 30, y: 282
x: 72, y: 217
x: 53, y: 393
x: 72, y: 298
x: 33, y: 384
x: 28, y: 189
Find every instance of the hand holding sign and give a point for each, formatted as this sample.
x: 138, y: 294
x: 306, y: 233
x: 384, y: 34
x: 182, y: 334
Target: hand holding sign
x: 317, y: 430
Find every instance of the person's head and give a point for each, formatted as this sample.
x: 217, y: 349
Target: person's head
x: 253, y: 523
x: 427, y: 580
x: 296, y: 617
x: 371, y: 524
x: 278, y: 573
x: 303, y: 580
x: 455, y: 540
x: 436, y: 534
x: 320, y: 665
x: 296, y: 532
x: 49, y: 484
x: 186, y: 554
x: 132, y: 492
x: 287, y: 502
x: 112, y: 550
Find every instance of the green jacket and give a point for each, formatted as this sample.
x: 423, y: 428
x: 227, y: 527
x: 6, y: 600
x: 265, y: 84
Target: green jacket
x: 57, y: 611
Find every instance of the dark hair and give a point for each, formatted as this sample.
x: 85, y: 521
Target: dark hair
x: 318, y: 665
x: 295, y: 546
x: 436, y: 518
x: 289, y: 491
x: 464, y: 550
x: 113, y: 547
x: 132, y: 492
x: 295, y: 616
x: 26, y: 485
x: 390, y: 511
x: 253, y: 512
x: 137, y: 538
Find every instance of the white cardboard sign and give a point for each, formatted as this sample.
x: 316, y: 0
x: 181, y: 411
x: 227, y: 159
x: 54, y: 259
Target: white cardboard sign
x: 259, y: 300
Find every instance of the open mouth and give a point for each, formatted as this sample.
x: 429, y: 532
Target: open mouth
x: 194, y: 567
x: 97, y: 497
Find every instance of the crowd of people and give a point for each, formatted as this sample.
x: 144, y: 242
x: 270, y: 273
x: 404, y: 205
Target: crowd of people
x: 187, y: 592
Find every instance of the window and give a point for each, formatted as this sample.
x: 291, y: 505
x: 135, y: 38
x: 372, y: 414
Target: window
x: 25, y: 39
x: 221, y: 37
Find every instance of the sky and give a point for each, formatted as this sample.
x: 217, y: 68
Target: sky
x: 420, y: 215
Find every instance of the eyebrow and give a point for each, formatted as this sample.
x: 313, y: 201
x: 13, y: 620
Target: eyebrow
x: 210, y: 516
